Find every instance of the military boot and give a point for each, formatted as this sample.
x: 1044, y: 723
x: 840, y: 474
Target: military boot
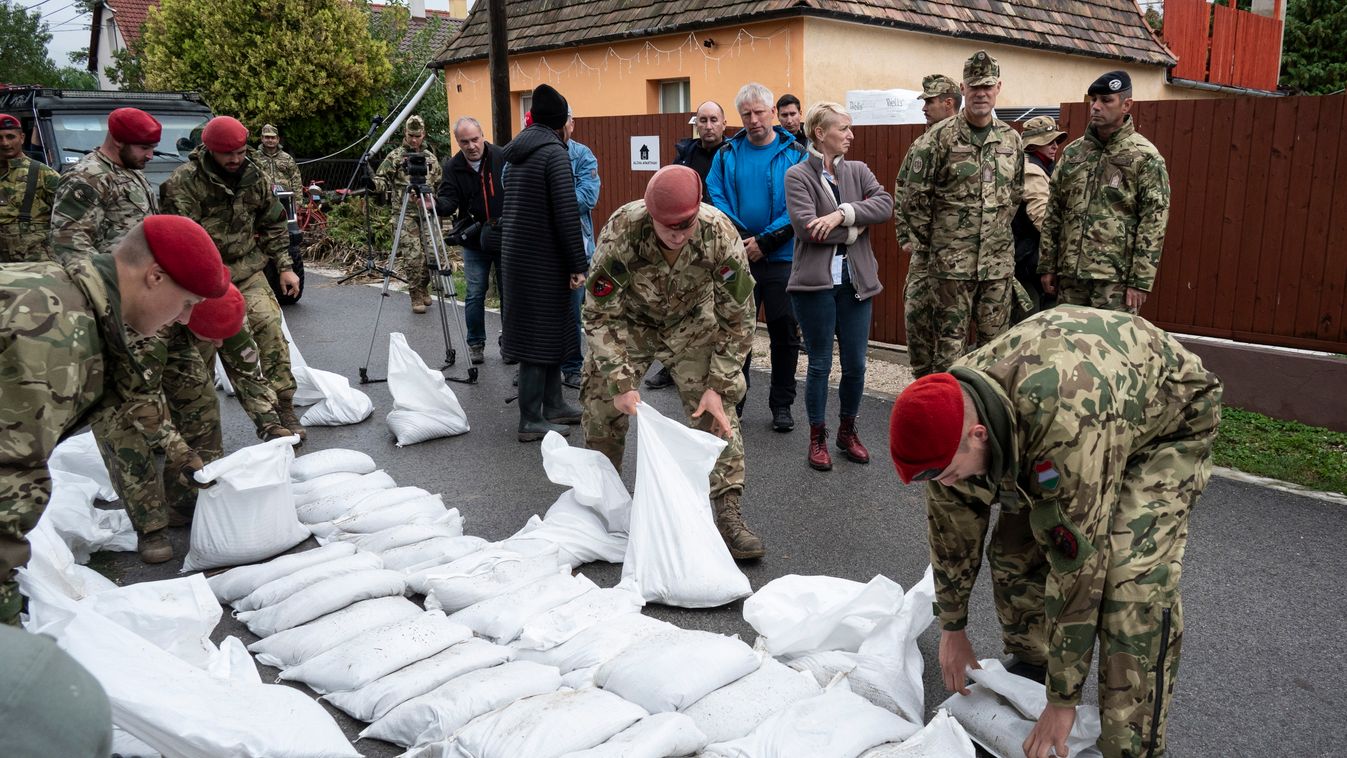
x: 154, y: 547
x: 285, y: 408
x: 743, y: 543
x: 419, y: 300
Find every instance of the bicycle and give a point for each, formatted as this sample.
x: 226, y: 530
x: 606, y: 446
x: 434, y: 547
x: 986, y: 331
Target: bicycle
x: 311, y: 215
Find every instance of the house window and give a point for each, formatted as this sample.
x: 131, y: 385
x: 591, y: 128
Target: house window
x: 525, y: 105
x: 675, y: 96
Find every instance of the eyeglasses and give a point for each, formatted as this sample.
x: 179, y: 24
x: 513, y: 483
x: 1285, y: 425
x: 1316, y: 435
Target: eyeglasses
x: 685, y: 225
x: 927, y: 475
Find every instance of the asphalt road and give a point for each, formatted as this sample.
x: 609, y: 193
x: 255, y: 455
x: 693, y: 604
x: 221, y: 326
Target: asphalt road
x: 1263, y: 584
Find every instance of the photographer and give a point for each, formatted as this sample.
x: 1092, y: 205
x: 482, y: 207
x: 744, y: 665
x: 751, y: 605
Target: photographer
x: 472, y: 191
x: 411, y: 163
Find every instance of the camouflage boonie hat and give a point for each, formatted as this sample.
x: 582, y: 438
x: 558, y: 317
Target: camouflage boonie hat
x: 270, y: 131
x: 938, y: 85
x: 981, y: 70
x: 1040, y: 131
x: 415, y: 125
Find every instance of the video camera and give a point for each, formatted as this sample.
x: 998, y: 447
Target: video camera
x: 416, y: 168
x: 466, y: 233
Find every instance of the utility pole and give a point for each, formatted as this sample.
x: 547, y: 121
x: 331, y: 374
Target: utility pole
x: 498, y: 62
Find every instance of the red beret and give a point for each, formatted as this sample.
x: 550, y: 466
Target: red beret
x: 926, y: 426
x: 673, y: 195
x: 224, y: 134
x: 9, y: 122
x: 218, y: 318
x: 132, y: 126
x: 187, y: 253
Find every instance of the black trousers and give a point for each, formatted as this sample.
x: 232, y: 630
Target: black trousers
x: 770, y: 295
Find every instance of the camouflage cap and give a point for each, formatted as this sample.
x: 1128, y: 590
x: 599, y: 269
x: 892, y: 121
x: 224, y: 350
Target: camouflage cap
x: 981, y: 70
x: 1040, y: 131
x: 270, y: 131
x: 938, y: 85
x: 415, y: 125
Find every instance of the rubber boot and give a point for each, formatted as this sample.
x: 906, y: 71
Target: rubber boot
x: 744, y: 545
x: 154, y: 547
x: 532, y: 387
x: 849, y: 442
x: 819, y: 460
x: 285, y: 408
x: 555, y: 408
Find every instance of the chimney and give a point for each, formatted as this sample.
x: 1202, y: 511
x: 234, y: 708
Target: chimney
x: 458, y: 8
x: 418, y: 8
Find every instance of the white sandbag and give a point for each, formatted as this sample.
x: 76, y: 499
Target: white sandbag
x: 78, y: 454
x: 222, y: 378
x: 1001, y: 710
x: 364, y: 502
x: 942, y: 737
x: 594, y: 482
x: 835, y: 724
x: 376, y: 699
x: 277, y: 590
x: 233, y: 662
x: 341, y: 403
x: 657, y: 736
x: 435, y: 551
x: 406, y: 534
x: 53, y: 582
x: 598, y: 644
x: 177, y: 615
x: 84, y: 528
x: 547, y: 726
x: 180, y: 710
x: 304, y: 490
x: 127, y: 745
x: 500, y: 618
x: 672, y: 670
x: 551, y: 628
x: 323, y: 598
x: 377, y: 652
x: 424, y: 408
x: 333, y: 502
x: 330, y: 461
x: 675, y: 554
x: 801, y: 614
x: 237, y: 582
x: 481, y: 577
x: 296, y: 360
x: 578, y: 532
x: 471, y: 563
x: 298, y: 644
x: 249, y: 514
x: 439, y: 713
x: 735, y: 709
x: 419, y: 510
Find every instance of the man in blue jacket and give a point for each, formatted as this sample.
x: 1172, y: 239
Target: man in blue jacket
x: 585, y: 167
x: 748, y: 183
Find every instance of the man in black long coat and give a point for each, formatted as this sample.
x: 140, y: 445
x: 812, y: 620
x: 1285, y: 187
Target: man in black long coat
x: 542, y: 260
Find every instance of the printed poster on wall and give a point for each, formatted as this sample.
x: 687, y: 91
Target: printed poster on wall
x: 645, y: 153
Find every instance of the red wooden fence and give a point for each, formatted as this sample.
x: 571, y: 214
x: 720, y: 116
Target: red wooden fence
x: 1256, y: 249
x: 1217, y: 43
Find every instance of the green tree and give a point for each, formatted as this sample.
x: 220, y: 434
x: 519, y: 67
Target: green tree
x: 1314, y: 53
x: 308, y: 66
x: 24, y: 38
x: 411, y: 53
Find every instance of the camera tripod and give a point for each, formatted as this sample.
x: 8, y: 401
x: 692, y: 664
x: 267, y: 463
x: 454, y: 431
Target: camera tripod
x: 441, y: 277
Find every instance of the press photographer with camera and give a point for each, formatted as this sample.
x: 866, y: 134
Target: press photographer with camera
x: 411, y: 164
x: 471, y: 190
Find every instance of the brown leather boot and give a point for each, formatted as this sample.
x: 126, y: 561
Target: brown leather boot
x: 819, y: 460
x: 849, y: 442
x: 154, y: 547
x: 419, y: 301
x: 744, y: 545
x: 285, y: 408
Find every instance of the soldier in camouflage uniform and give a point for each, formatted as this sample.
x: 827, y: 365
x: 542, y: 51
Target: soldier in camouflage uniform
x: 940, y: 99
x: 278, y: 167
x: 27, y: 187
x: 226, y: 194
x: 963, y: 183
x: 670, y: 282
x: 1105, y: 225
x: 60, y: 328
x: 390, y: 181
x: 1092, y: 431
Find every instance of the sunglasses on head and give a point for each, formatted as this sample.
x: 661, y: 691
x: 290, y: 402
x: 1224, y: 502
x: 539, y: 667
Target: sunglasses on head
x: 683, y: 225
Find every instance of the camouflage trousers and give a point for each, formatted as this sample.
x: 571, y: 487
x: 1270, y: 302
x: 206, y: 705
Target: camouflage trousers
x: 242, y: 363
x: 1096, y: 293
x: 919, y: 309
x: 24, y: 242
x: 412, y: 255
x: 263, y: 324
x: 606, y: 427
x: 957, y: 304
x: 23, y: 498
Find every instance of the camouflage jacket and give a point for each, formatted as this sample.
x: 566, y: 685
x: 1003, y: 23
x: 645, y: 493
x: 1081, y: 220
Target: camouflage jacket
x: 958, y: 199
x: 244, y: 218
x: 25, y: 240
x: 392, y: 178
x: 279, y: 169
x: 96, y: 204
x: 1069, y: 396
x: 135, y: 391
x: 704, y: 301
x: 59, y: 327
x: 1107, y: 211
x: 900, y: 187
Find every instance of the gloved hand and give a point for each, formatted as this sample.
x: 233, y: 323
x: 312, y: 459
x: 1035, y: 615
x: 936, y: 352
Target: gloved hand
x: 188, y: 470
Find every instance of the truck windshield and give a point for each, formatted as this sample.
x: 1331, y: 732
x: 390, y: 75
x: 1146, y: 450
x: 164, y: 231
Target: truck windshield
x: 79, y: 133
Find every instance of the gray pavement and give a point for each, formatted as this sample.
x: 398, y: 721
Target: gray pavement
x: 1264, y: 583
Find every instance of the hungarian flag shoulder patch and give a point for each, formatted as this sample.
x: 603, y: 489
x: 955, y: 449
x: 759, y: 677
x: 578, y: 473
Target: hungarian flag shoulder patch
x: 1048, y: 478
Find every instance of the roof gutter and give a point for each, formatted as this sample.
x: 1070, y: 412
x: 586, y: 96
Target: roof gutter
x: 1227, y: 89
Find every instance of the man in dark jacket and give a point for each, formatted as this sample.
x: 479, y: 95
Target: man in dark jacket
x: 472, y: 190
x: 1041, y: 139
x: 542, y: 260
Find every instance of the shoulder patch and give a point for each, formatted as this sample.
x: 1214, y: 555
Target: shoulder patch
x: 1047, y: 475
x: 602, y: 287
x: 737, y: 282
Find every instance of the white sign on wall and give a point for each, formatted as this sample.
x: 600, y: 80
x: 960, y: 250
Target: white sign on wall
x: 869, y: 107
x: 645, y: 153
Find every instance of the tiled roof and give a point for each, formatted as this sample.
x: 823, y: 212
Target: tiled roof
x: 1100, y: 28
x: 447, y: 28
x: 130, y: 16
